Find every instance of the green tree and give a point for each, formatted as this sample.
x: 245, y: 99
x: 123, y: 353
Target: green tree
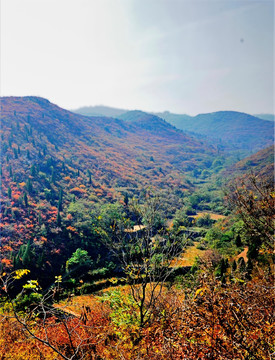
x: 238, y: 241
x: 26, y: 258
x: 79, y: 263
x: 29, y: 186
x: 126, y: 199
x: 25, y: 198
x: 89, y: 177
x: 60, y: 200
x: 58, y: 219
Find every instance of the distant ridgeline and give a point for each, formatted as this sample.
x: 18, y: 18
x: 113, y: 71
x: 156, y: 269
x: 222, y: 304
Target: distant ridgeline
x: 230, y: 130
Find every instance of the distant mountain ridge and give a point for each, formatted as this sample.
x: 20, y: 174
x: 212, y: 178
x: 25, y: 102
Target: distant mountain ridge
x: 269, y: 117
x: 228, y: 129
x: 99, y: 110
x: 238, y: 130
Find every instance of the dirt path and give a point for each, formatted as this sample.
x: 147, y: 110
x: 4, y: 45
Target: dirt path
x: 243, y: 254
x: 65, y: 309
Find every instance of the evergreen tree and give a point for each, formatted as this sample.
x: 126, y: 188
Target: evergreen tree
x: 33, y: 170
x: 222, y: 268
x: 39, y: 219
x: 26, y: 258
x: 253, y: 248
x: 15, y: 153
x: 29, y: 186
x: 26, y: 200
x: 10, y: 171
x: 58, y: 219
x: 238, y: 241
x: 249, y: 268
x: 9, y: 192
x: 52, y: 175
x: 60, y: 200
x: 241, y: 264
x: 90, y: 177
x: 126, y: 199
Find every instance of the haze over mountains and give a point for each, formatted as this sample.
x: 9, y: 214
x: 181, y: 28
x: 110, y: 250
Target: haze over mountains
x: 230, y: 129
x: 269, y: 117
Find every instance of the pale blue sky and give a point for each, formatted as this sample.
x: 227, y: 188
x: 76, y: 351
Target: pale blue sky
x: 185, y: 56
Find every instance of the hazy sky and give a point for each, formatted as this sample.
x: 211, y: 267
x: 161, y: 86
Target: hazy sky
x: 185, y: 56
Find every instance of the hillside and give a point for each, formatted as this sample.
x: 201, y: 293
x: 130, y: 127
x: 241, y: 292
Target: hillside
x: 237, y: 130
x: 260, y: 164
x: 115, y: 152
x: 231, y: 130
x: 108, y: 207
x: 57, y: 166
x: 149, y: 122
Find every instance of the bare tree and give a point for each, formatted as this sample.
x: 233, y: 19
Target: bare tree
x: 50, y: 322
x: 146, y: 253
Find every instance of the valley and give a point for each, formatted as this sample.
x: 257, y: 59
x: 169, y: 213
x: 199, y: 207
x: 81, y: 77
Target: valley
x: 134, y: 235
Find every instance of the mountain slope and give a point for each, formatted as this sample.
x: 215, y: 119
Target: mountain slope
x: 236, y: 130
x: 150, y: 122
x: 46, y: 144
x: 57, y: 166
x: 260, y: 164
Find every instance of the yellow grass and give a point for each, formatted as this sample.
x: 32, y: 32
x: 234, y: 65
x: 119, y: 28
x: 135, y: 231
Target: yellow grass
x: 212, y: 215
x: 74, y: 305
x: 188, y: 257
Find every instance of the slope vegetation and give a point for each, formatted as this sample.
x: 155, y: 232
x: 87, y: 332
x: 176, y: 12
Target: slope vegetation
x: 57, y: 167
x: 237, y: 130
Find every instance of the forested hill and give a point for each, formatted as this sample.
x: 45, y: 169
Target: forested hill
x: 99, y: 110
x: 57, y: 166
x: 149, y: 122
x: 115, y: 152
x: 236, y: 130
x: 230, y: 129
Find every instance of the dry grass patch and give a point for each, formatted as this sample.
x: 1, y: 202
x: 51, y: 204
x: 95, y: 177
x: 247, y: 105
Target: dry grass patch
x: 189, y: 256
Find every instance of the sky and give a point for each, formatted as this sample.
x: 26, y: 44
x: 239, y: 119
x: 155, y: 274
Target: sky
x: 182, y: 56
